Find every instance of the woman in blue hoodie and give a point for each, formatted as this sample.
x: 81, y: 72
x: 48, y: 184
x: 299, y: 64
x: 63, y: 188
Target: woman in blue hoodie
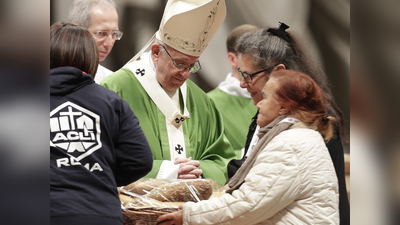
x: 96, y: 142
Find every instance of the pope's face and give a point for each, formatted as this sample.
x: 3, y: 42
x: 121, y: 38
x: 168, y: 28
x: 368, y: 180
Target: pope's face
x: 170, y: 77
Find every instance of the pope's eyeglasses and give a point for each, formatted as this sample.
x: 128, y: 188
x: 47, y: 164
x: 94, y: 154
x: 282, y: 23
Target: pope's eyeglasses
x: 182, y: 67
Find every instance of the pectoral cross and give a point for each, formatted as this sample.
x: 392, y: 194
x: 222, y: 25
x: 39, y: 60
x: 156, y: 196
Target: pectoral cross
x: 141, y: 72
x: 179, y: 149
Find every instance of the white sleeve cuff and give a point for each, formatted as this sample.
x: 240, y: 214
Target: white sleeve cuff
x: 168, y: 170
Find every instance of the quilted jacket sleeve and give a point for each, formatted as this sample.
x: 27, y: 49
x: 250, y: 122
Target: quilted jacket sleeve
x: 271, y: 185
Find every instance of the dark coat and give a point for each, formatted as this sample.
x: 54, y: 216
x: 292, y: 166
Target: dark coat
x: 96, y: 145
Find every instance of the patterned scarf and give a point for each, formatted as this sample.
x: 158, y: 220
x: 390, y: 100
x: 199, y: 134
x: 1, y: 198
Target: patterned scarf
x: 266, y: 134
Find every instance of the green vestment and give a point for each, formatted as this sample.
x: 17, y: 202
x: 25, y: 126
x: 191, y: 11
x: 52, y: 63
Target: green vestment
x: 204, y: 130
x: 236, y: 112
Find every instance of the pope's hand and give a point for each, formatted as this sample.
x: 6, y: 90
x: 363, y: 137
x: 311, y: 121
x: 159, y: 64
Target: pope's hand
x: 188, y: 169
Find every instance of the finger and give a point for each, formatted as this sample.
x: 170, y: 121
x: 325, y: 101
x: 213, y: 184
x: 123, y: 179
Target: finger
x: 165, y: 222
x: 181, y: 160
x: 186, y: 169
x: 164, y: 218
x: 187, y: 176
x: 192, y: 162
x: 196, y: 172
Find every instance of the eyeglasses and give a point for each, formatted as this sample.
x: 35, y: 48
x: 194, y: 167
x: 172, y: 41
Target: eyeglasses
x: 182, y: 67
x: 115, y: 34
x: 249, y: 76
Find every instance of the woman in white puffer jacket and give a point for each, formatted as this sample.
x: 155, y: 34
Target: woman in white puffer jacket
x: 288, y: 177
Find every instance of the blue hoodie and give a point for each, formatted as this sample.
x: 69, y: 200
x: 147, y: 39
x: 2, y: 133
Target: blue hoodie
x: 96, y: 145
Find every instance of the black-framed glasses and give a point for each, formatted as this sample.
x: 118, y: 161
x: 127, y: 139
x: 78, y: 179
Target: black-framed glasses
x: 102, y: 34
x: 249, y: 76
x: 182, y: 67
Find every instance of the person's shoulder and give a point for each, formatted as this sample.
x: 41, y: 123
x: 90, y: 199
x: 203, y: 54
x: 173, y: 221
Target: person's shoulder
x: 103, y: 92
x: 120, y: 77
x: 300, y: 132
x: 196, y: 92
x: 300, y: 137
x: 109, y: 96
x: 216, y: 92
x: 294, y: 141
x: 192, y: 85
x: 103, y: 71
x: 196, y: 96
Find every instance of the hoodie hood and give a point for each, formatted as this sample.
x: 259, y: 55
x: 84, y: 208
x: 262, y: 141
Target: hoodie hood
x: 64, y: 80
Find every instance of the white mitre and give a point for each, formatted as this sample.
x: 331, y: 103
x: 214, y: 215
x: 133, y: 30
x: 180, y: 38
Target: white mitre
x: 189, y: 25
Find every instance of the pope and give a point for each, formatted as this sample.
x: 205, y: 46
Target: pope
x: 184, y: 128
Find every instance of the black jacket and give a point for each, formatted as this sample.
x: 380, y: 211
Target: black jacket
x: 96, y: 144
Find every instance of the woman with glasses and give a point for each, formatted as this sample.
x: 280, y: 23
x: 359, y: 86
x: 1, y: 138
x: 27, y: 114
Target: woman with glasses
x: 182, y: 124
x: 289, y: 177
x: 234, y: 102
x: 263, y: 51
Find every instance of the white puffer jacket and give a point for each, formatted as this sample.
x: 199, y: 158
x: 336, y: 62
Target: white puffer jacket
x: 293, y: 181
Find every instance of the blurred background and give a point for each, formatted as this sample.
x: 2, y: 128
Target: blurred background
x: 324, y: 25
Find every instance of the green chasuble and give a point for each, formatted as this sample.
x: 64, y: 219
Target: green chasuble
x: 236, y: 112
x: 205, y: 140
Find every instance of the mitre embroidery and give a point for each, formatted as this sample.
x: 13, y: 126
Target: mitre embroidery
x: 189, y: 45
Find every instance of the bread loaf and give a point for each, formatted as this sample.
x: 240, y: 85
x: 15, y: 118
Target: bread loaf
x: 182, y: 191
x: 142, y: 187
x: 124, y: 199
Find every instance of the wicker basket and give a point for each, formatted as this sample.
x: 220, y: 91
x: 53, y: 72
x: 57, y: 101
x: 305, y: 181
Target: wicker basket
x: 144, y: 209
x: 144, y: 216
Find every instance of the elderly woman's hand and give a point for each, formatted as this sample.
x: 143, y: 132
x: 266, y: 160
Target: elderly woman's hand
x: 171, y: 219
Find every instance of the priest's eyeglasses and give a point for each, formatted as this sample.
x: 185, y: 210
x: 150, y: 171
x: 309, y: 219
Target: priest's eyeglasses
x: 102, y: 34
x: 182, y: 67
x: 249, y: 76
